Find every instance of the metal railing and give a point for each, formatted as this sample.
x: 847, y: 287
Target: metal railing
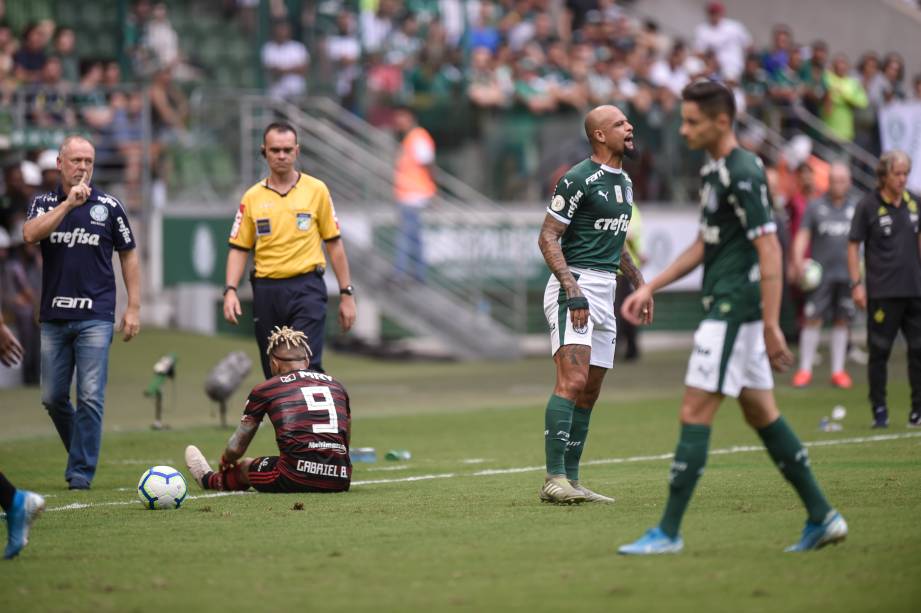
x: 826, y: 147
x: 470, y: 297
x: 39, y: 117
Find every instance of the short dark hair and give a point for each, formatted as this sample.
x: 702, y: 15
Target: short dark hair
x: 279, y: 126
x: 712, y: 97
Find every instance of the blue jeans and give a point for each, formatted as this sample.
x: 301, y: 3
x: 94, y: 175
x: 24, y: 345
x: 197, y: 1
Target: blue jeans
x: 410, y: 261
x: 83, y: 344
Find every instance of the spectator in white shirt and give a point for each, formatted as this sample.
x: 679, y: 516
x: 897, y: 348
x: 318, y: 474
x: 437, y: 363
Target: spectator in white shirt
x: 286, y: 62
x: 343, y: 50
x: 727, y: 38
x: 161, y: 38
x: 672, y: 72
x: 377, y: 25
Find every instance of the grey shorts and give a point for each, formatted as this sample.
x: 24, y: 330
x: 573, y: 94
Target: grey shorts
x: 830, y: 301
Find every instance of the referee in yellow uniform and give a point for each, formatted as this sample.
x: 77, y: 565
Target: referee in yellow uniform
x: 285, y: 220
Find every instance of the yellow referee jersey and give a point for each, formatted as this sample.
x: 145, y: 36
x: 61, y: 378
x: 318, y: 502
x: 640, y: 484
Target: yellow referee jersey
x: 286, y: 230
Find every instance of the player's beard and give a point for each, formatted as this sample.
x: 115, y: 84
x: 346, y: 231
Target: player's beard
x: 631, y: 153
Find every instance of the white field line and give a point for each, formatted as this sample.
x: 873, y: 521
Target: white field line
x: 879, y: 438
x: 647, y: 458
x: 86, y: 505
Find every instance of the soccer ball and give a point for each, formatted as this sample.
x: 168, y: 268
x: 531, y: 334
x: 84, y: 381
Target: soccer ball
x: 162, y: 487
x: 812, y: 275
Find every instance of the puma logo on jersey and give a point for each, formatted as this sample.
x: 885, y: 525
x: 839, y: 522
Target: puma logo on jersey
x: 567, y: 182
x: 603, y: 195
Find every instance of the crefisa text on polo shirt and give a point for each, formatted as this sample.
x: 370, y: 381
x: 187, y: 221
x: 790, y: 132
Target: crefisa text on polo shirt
x: 79, y: 236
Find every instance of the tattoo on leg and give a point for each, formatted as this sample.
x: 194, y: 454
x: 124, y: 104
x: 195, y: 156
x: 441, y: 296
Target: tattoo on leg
x: 575, y: 355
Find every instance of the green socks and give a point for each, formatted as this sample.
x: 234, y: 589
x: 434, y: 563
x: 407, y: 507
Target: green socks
x: 577, y: 435
x: 793, y: 461
x: 688, y: 465
x: 782, y: 445
x: 558, y: 421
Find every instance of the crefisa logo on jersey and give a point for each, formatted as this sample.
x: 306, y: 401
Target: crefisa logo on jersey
x: 78, y: 236
x: 123, y: 229
x: 99, y: 213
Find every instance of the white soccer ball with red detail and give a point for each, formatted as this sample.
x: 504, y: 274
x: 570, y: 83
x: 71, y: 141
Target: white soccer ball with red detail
x: 812, y: 275
x: 162, y: 487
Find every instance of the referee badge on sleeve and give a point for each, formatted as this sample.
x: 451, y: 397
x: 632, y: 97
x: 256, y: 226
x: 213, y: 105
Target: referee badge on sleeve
x: 263, y: 227
x: 303, y: 221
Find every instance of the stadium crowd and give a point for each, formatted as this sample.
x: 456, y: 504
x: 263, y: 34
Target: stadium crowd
x: 523, y: 61
x: 505, y: 70
x: 47, y: 91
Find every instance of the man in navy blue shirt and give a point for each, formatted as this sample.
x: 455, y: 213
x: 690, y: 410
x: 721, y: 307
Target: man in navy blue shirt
x: 78, y: 227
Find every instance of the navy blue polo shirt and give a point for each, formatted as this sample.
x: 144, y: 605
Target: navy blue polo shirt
x: 77, y: 277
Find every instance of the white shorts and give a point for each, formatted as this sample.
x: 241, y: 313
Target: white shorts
x: 728, y: 357
x: 601, y: 332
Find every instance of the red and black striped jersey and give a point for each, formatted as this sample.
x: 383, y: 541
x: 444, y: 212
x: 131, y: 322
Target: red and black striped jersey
x: 312, y: 420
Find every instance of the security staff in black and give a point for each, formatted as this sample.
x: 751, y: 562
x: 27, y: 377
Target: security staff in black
x: 886, y: 223
x: 286, y: 219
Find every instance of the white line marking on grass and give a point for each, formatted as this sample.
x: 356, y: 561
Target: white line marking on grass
x: 407, y: 479
x: 879, y: 438
x: 115, y: 503
x: 387, y: 468
x: 476, y: 461
x: 647, y: 458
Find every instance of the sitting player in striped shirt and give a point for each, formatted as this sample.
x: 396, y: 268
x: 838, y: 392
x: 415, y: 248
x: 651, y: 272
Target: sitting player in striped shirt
x: 312, y: 420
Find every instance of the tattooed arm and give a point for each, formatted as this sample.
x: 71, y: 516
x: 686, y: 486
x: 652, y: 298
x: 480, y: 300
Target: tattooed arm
x: 239, y: 441
x: 549, y: 243
x: 629, y: 269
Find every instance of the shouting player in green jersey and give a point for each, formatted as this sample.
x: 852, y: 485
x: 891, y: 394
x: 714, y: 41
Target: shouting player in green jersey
x: 739, y: 339
x: 582, y: 240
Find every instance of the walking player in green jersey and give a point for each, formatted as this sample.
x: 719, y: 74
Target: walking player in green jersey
x: 582, y: 240
x: 739, y: 339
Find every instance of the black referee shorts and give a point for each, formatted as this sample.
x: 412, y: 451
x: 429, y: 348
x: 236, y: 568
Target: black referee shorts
x: 297, y: 302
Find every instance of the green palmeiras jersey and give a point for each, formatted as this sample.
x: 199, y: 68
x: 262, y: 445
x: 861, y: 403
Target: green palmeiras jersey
x: 596, y: 202
x: 735, y: 209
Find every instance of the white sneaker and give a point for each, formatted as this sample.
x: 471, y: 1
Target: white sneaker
x: 591, y: 496
x: 197, y: 464
x: 557, y: 489
x: 858, y: 356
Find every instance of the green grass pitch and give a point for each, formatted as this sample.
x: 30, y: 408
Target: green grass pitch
x: 459, y: 527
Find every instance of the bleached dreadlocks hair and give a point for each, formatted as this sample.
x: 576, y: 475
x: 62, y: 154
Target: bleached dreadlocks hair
x: 292, y: 339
